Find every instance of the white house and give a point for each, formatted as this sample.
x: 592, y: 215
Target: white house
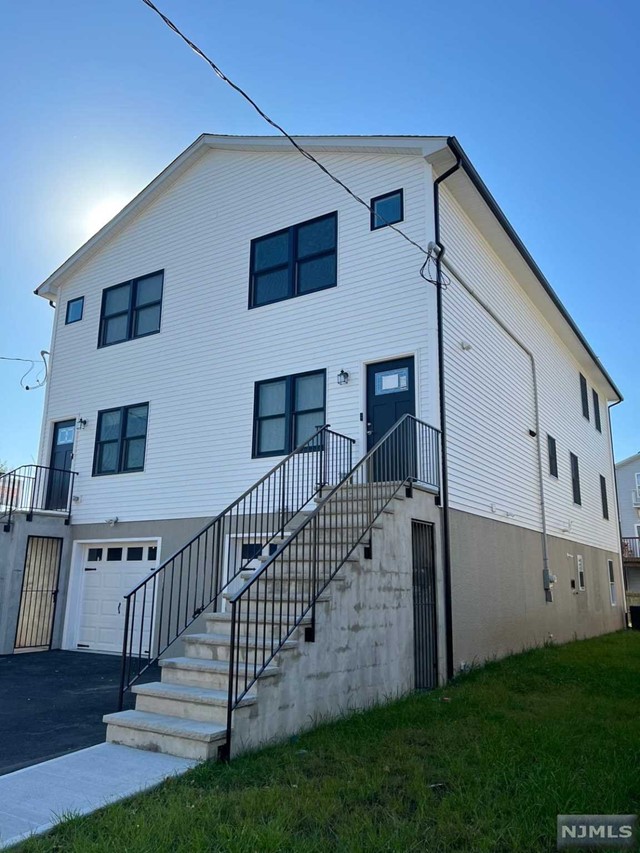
x: 243, y: 300
x: 628, y: 485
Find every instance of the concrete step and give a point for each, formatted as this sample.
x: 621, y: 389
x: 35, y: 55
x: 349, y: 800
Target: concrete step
x: 302, y: 552
x: 220, y: 623
x: 271, y: 583
x: 211, y: 674
x: 218, y: 647
x: 265, y: 602
x: 162, y: 733
x: 180, y: 700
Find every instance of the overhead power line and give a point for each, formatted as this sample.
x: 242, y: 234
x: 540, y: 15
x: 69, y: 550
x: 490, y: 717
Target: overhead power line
x: 288, y: 136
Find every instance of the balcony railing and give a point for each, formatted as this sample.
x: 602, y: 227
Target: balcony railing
x: 35, y: 488
x: 631, y: 547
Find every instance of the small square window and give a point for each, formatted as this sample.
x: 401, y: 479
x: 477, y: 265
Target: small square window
x: 114, y: 554
x: 152, y: 552
x: 75, y: 308
x: 94, y: 555
x: 134, y: 554
x: 387, y: 209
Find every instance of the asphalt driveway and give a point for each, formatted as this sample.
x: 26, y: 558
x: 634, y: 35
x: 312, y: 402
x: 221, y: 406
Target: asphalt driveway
x: 52, y: 703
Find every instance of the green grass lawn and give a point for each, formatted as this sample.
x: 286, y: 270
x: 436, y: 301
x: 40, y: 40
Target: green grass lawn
x: 484, y: 764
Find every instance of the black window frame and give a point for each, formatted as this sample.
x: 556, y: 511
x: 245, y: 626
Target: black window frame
x: 575, y: 479
x: 289, y: 414
x: 293, y: 261
x: 131, y: 311
x: 552, y: 452
x: 584, y: 394
x: 604, y: 497
x: 374, y: 224
x: 71, y: 302
x: 122, y: 441
x: 596, y: 409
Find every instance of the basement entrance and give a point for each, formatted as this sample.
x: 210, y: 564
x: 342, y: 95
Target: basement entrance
x: 424, y: 606
x: 39, y: 593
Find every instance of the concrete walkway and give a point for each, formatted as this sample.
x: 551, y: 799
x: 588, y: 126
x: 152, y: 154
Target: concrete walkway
x: 34, y: 799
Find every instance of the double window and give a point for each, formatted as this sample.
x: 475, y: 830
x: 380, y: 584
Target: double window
x: 294, y: 261
x: 121, y: 439
x: 131, y: 310
x: 287, y: 411
x: 575, y: 479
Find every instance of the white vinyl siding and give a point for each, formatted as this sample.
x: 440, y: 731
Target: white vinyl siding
x: 509, y: 478
x: 198, y: 373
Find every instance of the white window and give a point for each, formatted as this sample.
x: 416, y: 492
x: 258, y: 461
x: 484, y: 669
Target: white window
x: 580, y: 565
x: 612, y: 584
x: 638, y: 480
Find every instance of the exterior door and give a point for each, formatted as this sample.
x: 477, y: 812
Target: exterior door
x: 61, y: 456
x: 424, y: 607
x: 390, y: 395
x: 110, y: 571
x: 39, y: 593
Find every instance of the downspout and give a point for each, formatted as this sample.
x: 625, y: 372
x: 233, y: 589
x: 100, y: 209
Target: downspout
x: 547, y: 578
x: 444, y: 487
x: 617, y: 506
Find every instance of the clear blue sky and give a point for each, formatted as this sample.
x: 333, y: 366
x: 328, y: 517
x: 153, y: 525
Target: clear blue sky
x: 98, y: 97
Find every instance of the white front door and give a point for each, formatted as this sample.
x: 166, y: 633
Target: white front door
x: 110, y: 570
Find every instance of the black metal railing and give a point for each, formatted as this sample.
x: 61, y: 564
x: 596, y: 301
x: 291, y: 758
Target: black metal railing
x: 631, y: 547
x: 284, y: 591
x: 34, y: 488
x: 167, y: 601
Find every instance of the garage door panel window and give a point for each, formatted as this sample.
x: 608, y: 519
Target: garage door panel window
x: 121, y: 440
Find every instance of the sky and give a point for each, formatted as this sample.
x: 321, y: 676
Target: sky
x: 98, y: 97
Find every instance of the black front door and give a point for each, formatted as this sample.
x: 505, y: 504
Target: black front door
x: 61, y: 456
x: 390, y: 395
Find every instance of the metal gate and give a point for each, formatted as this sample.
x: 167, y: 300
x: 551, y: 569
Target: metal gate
x: 424, y: 607
x: 39, y: 593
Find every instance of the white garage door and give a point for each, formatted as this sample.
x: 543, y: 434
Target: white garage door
x: 110, y: 570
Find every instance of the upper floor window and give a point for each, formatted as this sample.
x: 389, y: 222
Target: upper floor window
x: 287, y: 411
x: 596, y: 409
x: 604, y: 497
x: 387, y: 209
x: 584, y: 394
x: 131, y: 310
x: 294, y: 261
x: 121, y: 439
x: 575, y: 479
x: 553, y: 456
x: 75, y: 307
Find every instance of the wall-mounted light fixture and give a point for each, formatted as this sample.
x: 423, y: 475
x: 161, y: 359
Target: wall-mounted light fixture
x: 343, y: 377
x: 81, y: 423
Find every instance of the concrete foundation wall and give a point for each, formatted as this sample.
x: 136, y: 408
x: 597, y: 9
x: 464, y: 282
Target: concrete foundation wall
x: 13, y: 547
x: 364, y: 653
x: 498, y: 598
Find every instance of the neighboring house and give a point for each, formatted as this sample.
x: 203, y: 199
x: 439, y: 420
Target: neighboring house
x: 628, y: 484
x: 241, y: 301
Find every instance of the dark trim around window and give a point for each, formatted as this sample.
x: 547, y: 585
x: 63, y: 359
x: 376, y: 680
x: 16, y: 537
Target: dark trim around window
x: 121, y: 442
x: 552, y: 450
x: 584, y: 394
x: 604, y: 497
x: 596, y: 410
x: 75, y: 310
x: 292, y: 263
x: 131, y: 312
x: 575, y: 479
x: 289, y: 413
x: 374, y: 222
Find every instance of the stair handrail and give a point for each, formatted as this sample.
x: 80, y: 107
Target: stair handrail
x: 199, y: 572
x: 408, y: 453
x: 29, y: 489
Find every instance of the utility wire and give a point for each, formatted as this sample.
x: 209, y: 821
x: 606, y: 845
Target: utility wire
x: 281, y: 130
x: 32, y: 363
